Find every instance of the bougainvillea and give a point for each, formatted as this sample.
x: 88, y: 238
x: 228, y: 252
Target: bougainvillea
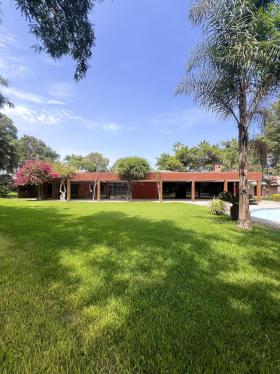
x: 34, y: 172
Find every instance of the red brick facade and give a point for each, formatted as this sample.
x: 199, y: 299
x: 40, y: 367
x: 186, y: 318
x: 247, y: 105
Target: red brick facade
x: 172, y: 184
x: 156, y: 185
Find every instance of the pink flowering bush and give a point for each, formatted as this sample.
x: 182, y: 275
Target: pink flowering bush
x: 36, y: 173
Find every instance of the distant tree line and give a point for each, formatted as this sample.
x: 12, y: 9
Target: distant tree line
x: 15, y: 151
x: 264, y: 151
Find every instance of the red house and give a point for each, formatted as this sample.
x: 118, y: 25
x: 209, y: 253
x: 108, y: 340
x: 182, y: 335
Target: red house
x: 164, y: 185
x: 159, y: 185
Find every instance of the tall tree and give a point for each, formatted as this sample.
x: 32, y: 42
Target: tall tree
x: 75, y: 161
x: 95, y: 162
x: 92, y: 162
x: 185, y: 155
x: 8, y: 141
x: 168, y: 162
x: 31, y: 148
x: 230, y: 155
x: 62, y: 28
x: 235, y: 68
x: 131, y: 169
x: 206, y: 156
x: 272, y: 136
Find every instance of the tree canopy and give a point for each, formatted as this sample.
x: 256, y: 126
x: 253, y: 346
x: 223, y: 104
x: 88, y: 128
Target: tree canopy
x: 62, y: 28
x: 31, y: 148
x: 131, y: 169
x: 235, y: 68
x: 169, y: 162
x: 272, y: 136
x: 8, y: 144
x: 34, y: 172
x: 92, y: 162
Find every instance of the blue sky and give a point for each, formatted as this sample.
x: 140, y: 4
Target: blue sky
x: 126, y: 104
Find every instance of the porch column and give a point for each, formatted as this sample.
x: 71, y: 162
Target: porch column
x: 259, y: 190
x: 98, y: 190
x: 68, y: 190
x: 161, y: 192
x: 234, y: 188
x: 193, y: 190
x: 225, y: 186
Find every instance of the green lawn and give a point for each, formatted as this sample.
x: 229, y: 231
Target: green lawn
x: 135, y: 288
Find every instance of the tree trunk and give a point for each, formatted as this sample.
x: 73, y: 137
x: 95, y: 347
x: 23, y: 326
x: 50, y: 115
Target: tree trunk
x: 94, y: 188
x: 159, y: 191
x: 244, y: 213
x: 62, y: 190
x: 129, y: 191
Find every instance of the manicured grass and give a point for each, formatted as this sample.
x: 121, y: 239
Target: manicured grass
x: 135, y: 288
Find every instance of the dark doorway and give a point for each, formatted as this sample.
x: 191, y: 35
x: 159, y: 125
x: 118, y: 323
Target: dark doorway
x: 50, y: 191
x: 176, y: 190
x: 208, y: 190
x: 74, y: 191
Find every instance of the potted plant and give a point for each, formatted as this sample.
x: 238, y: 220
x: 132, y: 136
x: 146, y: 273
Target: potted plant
x: 228, y: 197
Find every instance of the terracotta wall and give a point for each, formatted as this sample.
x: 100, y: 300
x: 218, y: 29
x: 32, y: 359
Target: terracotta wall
x: 145, y: 190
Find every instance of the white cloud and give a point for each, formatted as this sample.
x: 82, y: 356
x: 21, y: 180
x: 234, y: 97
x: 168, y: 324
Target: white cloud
x: 181, y: 120
x: 11, y: 66
x: 30, y: 97
x: 6, y: 38
x: 61, y: 90
x: 25, y: 116
x: 110, y: 126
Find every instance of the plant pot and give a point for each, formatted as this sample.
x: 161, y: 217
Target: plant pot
x: 234, y: 212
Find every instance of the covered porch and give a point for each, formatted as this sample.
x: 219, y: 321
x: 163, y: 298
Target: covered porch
x: 111, y: 190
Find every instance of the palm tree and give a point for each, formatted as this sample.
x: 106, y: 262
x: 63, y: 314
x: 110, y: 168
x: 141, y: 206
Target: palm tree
x: 235, y: 68
x: 228, y: 197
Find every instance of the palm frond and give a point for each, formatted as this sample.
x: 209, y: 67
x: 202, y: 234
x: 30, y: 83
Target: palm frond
x: 234, y: 48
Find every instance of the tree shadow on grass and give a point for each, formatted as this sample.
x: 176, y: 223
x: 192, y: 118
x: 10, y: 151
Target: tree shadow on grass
x: 145, y: 295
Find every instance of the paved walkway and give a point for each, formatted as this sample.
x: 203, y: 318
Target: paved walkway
x: 263, y: 204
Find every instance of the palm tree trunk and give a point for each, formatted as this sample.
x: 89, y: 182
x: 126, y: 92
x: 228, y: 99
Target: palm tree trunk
x: 244, y: 213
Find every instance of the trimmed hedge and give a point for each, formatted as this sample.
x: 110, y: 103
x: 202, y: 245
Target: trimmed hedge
x: 275, y: 197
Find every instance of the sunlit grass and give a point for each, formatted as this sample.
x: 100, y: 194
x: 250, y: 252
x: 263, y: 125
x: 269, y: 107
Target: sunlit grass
x: 135, y: 288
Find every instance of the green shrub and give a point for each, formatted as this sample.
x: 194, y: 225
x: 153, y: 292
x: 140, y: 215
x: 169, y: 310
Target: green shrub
x: 234, y: 200
x: 4, y: 190
x: 275, y: 197
x: 217, y: 207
